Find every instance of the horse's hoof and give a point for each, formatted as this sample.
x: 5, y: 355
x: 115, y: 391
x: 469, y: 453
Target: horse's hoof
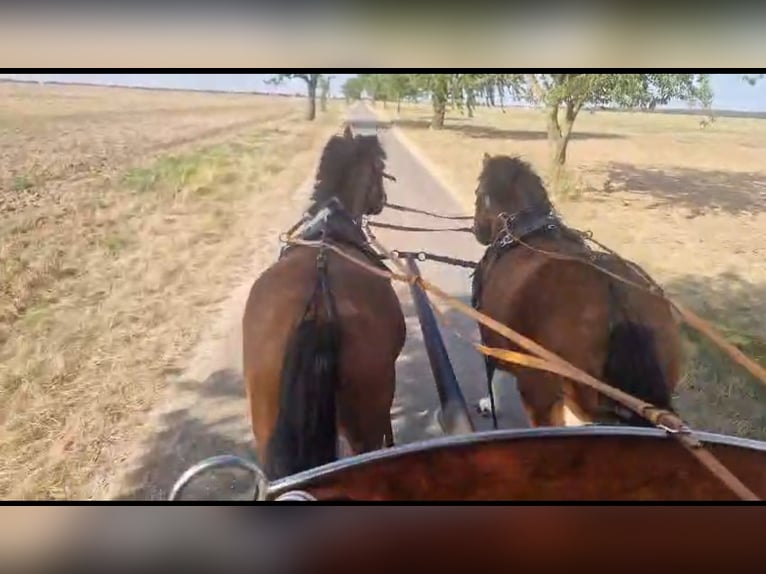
x: 484, y: 407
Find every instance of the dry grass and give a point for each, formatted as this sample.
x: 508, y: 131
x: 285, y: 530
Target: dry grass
x: 106, y: 280
x: 687, y: 204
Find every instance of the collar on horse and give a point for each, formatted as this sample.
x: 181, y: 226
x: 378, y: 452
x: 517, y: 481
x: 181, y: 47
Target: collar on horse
x: 332, y: 221
x: 516, y: 229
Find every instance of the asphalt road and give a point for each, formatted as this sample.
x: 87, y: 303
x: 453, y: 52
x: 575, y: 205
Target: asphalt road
x: 416, y: 404
x: 206, y: 415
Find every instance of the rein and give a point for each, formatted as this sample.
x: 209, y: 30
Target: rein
x: 428, y: 256
x: 404, y: 208
x: 692, y: 319
x: 418, y: 229
x: 540, y: 358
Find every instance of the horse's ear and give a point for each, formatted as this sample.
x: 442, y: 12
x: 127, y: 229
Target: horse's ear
x: 347, y: 133
x: 485, y: 159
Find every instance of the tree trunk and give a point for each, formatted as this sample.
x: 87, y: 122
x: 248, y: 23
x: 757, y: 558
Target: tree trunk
x: 311, y: 110
x: 554, y: 130
x: 398, y: 106
x: 560, y: 152
x: 557, y: 148
x: 558, y: 134
x: 437, y: 121
x: 440, y: 108
x: 325, y: 93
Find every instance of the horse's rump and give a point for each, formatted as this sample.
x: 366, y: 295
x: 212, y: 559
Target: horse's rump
x: 332, y: 354
x: 305, y: 433
x: 605, y: 327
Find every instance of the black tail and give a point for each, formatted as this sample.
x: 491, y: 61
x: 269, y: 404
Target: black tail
x: 632, y: 366
x: 305, y: 434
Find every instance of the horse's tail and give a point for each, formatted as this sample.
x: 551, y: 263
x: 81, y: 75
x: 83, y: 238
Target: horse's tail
x: 305, y: 435
x: 633, y: 366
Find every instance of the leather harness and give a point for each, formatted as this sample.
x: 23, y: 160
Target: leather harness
x: 332, y: 222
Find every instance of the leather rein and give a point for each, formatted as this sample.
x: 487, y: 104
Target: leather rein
x: 541, y: 358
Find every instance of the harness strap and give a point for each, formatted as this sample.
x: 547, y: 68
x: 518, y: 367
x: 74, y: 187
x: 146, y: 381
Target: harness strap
x: 547, y: 360
x: 382, y: 225
x: 516, y: 227
x: 329, y: 220
x: 396, y: 207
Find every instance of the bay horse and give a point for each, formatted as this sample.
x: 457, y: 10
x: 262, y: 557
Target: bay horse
x: 321, y: 335
x: 619, y: 333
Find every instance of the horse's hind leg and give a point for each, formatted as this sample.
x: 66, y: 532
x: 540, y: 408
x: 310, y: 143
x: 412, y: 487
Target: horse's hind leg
x: 509, y: 404
x: 364, y: 411
x: 389, y: 437
x: 543, y: 398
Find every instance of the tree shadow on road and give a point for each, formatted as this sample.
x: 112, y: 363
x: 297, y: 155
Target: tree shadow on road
x: 416, y: 403
x: 477, y: 131
x: 695, y: 189
x: 211, y: 420
x: 716, y: 394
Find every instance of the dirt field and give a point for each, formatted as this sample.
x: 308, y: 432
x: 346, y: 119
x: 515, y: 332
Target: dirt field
x: 124, y: 215
x: 687, y: 204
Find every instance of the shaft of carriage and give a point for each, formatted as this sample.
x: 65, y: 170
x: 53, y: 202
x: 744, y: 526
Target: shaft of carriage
x: 455, y: 418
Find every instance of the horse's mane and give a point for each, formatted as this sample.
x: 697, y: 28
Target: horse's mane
x: 339, y: 156
x: 503, y: 175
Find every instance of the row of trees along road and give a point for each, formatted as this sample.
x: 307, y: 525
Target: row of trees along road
x: 314, y: 82
x: 560, y: 96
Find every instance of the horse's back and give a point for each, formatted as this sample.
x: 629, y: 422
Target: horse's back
x: 527, y: 289
x: 565, y: 305
x: 561, y: 304
x: 275, y: 305
x: 367, y: 306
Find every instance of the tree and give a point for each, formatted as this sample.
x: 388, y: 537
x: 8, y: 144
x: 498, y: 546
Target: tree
x: 571, y: 92
x: 498, y: 86
x: 460, y: 90
x: 324, y: 87
x: 753, y: 79
x: 353, y: 88
x: 439, y: 87
x: 400, y: 87
x: 376, y: 87
x: 312, y: 81
x: 466, y: 88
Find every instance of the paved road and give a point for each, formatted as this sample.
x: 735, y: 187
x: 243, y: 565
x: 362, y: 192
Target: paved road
x: 206, y: 414
x: 416, y: 402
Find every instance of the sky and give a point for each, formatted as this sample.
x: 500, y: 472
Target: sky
x: 730, y: 92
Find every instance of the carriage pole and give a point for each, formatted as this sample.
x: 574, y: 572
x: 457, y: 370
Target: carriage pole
x: 455, y: 418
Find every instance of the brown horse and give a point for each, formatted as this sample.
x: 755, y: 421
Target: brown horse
x: 618, y: 332
x: 320, y: 334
